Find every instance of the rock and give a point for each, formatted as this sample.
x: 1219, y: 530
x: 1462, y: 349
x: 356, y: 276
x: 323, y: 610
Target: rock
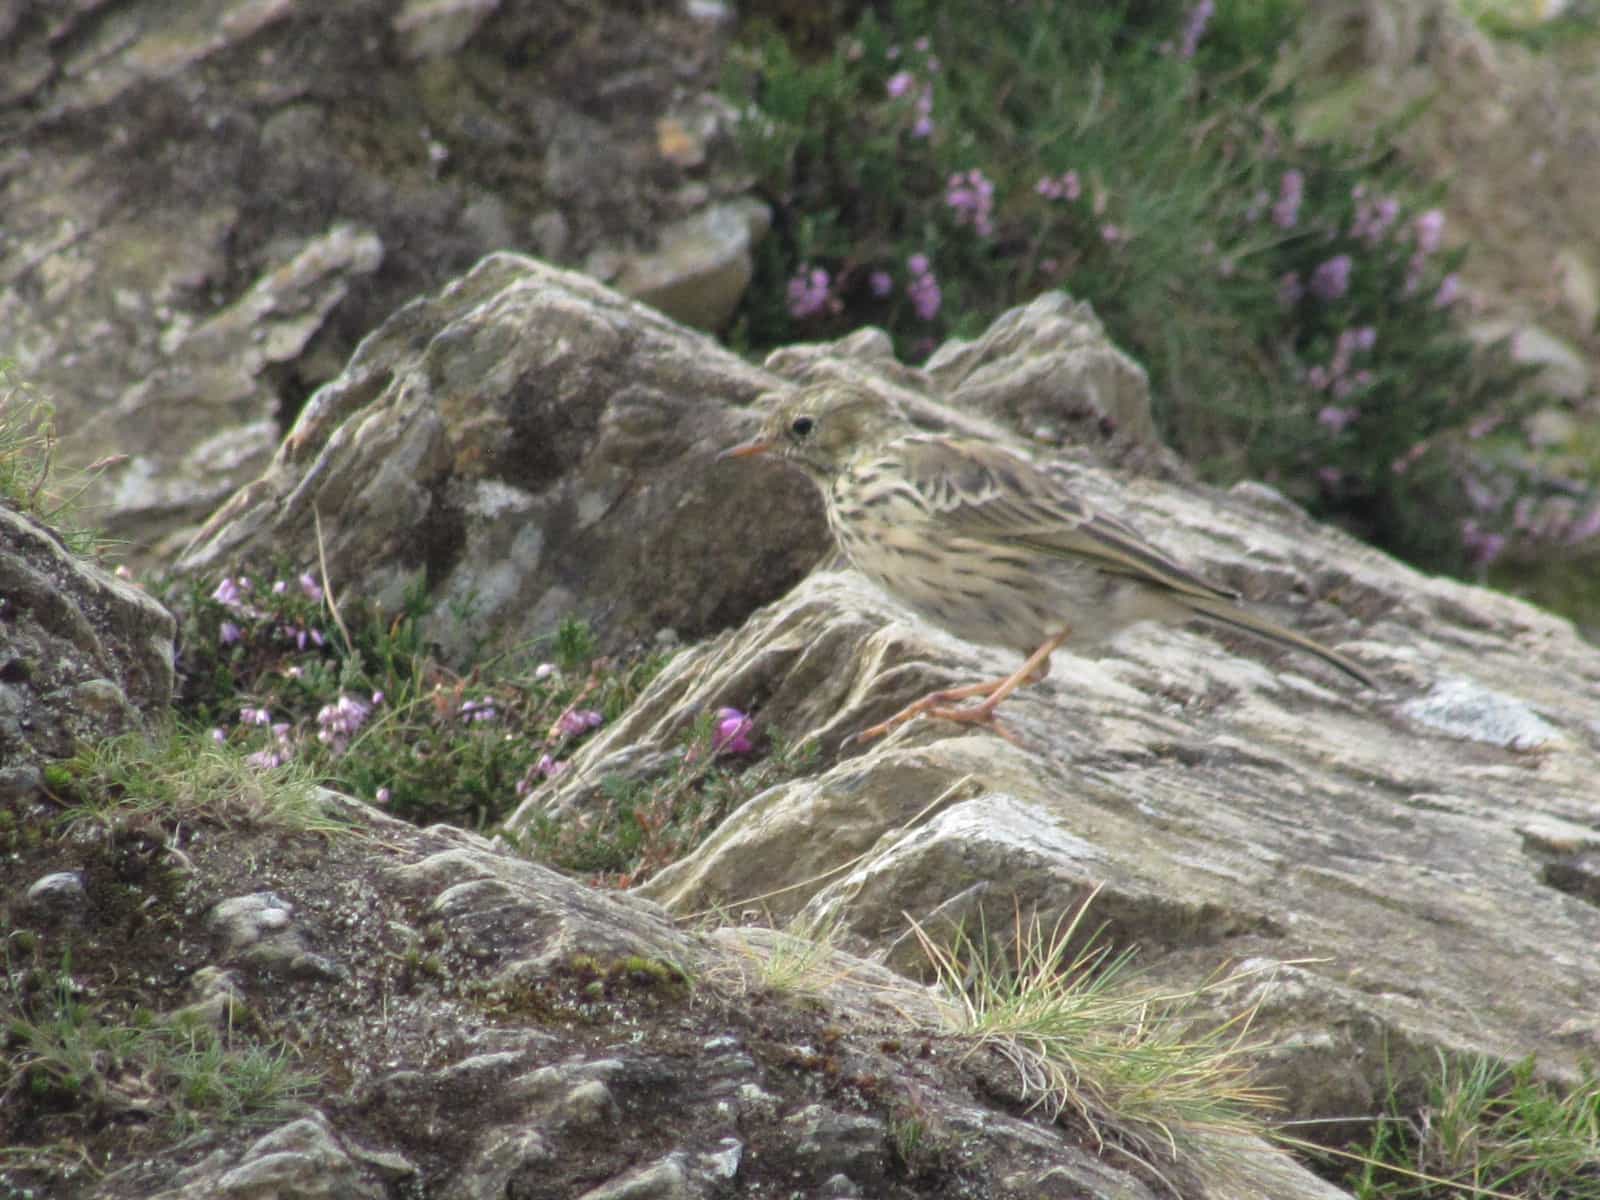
x: 58, y: 894
x: 82, y: 653
x: 703, y: 265
x: 510, y: 438
x: 1222, y: 801
x: 197, y: 201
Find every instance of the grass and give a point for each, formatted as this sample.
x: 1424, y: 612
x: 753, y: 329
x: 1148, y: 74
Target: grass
x: 1083, y: 1032
x: 639, y: 826
x: 68, y: 1066
x: 180, y: 774
x: 1485, y: 1128
x: 29, y: 479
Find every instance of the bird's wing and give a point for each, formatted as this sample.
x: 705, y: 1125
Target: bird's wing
x: 980, y: 491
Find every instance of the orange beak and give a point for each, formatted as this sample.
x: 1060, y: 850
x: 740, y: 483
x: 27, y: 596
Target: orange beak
x: 746, y: 449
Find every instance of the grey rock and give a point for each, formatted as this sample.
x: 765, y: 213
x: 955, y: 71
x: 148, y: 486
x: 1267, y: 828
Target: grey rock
x: 700, y: 272
x: 832, y: 1142
x: 518, y: 473
x: 82, y: 652
x: 1463, y: 708
x: 58, y: 893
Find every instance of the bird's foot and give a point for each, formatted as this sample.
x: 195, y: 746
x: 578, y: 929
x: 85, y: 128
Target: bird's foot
x: 937, y: 704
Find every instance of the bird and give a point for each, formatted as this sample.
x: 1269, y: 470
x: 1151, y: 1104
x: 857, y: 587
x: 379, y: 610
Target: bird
x: 985, y: 544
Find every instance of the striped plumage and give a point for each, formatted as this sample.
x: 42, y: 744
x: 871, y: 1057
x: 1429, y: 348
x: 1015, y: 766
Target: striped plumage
x: 984, y: 543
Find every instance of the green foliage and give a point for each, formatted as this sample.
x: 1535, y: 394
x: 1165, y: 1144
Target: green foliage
x: 62, y: 1051
x: 29, y: 481
x: 1291, y: 303
x: 642, y: 825
x: 1486, y: 1128
x: 353, y: 696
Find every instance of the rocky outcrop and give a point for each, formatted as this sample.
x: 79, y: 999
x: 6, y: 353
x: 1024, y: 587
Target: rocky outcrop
x: 473, y: 1025
x: 511, y: 440
x: 82, y: 653
x: 1414, y: 857
x: 206, y: 208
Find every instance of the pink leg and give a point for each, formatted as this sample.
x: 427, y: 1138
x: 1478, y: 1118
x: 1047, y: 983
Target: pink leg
x: 994, y: 691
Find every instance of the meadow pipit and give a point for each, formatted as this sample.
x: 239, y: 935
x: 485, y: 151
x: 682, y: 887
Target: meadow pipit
x: 985, y: 544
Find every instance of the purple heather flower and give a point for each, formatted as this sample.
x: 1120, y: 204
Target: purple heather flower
x: 382, y: 797
x: 1430, y: 229
x: 880, y: 284
x: 1335, y: 419
x: 923, y: 289
x: 479, y: 710
x: 279, y: 587
x: 340, y: 721
x: 1110, y: 234
x: 549, y: 767
x: 1331, y: 279
x: 229, y: 633
x: 578, y: 720
x: 923, y: 126
x: 808, y: 293
x: 254, y: 716
x: 230, y: 592
x: 733, y: 732
x: 219, y: 737
x: 1194, y: 27
x: 310, y: 586
x: 1291, y: 189
x: 1449, y: 291
x: 1048, y: 188
x: 899, y: 84
x: 972, y: 197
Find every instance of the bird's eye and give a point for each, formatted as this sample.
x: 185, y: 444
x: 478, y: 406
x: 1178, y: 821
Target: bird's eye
x: 802, y: 427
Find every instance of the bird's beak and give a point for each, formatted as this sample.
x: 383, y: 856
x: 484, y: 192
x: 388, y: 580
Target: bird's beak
x: 746, y: 449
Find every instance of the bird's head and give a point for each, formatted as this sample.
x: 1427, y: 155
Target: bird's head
x: 823, y: 429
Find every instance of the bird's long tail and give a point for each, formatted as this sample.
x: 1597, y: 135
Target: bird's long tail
x: 1231, y: 615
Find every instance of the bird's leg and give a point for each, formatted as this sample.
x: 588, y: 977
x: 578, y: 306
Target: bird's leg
x: 994, y: 691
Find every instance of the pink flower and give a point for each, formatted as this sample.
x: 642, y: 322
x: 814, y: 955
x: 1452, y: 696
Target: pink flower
x: 972, y: 197
x: 229, y: 633
x: 1430, y: 229
x: 549, y: 767
x: 1335, y: 419
x: 1331, y: 279
x: 923, y: 290
x: 1449, y: 291
x: 578, y: 720
x: 732, y: 732
x: 899, y: 84
x: 880, y: 284
x: 230, y: 592
x: 809, y: 293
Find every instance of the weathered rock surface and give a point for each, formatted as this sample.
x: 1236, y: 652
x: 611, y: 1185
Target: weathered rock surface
x: 82, y: 653
x: 207, y: 206
x: 512, y: 439
x: 1416, y: 853
x: 492, y: 1028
